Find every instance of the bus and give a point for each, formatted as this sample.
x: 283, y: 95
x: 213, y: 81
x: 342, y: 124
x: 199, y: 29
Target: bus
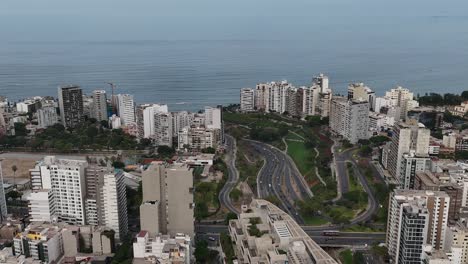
x: 331, y: 233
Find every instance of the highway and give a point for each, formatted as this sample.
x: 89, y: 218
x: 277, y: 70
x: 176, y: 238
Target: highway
x: 343, y: 239
x: 278, y: 178
x: 233, y: 175
x: 341, y: 169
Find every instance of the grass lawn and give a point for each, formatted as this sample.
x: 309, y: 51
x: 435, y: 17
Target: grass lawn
x: 346, y: 257
x: 304, y: 159
x: 314, y: 220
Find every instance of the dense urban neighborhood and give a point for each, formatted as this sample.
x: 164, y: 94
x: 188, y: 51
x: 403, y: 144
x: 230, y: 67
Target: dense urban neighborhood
x: 289, y: 174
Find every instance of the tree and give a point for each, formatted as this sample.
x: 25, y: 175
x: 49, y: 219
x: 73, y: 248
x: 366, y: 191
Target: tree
x: 365, y: 150
x: 118, y: 164
x: 165, y: 151
x: 14, y: 169
x: 201, y: 251
x: 230, y: 216
x: 209, y: 150
x: 20, y: 129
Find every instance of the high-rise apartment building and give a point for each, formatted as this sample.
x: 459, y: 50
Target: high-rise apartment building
x: 437, y: 205
x: 247, y: 100
x: 126, y: 108
x: 71, y: 105
x: 402, y: 98
x: 180, y: 120
x: 66, y: 180
x: 456, y: 245
x: 3, y: 206
x: 162, y: 129
x: 408, y: 137
x: 359, y: 91
x: 294, y: 101
x: 168, y: 188
x: 146, y: 118
x: 197, y: 138
x: 410, y: 165
x: 350, y: 118
x: 413, y: 232
x: 213, y: 117
x: 47, y: 116
x: 99, y: 110
x: 113, y: 204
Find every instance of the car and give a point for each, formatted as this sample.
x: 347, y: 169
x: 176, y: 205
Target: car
x: 211, y: 238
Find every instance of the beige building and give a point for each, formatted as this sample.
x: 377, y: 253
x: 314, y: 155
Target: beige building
x: 408, y: 137
x: 265, y: 234
x: 171, y: 187
x: 457, y: 243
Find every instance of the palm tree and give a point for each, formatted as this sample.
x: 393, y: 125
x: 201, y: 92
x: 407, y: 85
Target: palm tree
x: 14, y: 169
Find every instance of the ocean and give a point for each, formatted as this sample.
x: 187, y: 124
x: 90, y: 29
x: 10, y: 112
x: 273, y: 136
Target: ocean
x: 423, y: 53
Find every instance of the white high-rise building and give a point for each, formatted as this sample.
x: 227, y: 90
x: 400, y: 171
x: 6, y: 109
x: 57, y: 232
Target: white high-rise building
x: 66, y: 180
x: 114, y: 204
x: 42, y: 206
x: 410, y: 165
x: 311, y: 100
x: 47, y: 116
x: 437, y: 205
x: 99, y: 110
x: 408, y: 137
x: 180, y: 120
x: 149, y: 111
x: 402, y: 98
x: 247, y: 100
x: 126, y: 108
x: 3, y: 206
x: 350, y: 118
x: 213, y: 117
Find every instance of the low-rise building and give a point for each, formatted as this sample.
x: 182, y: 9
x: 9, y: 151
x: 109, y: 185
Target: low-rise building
x: 162, y: 249
x: 265, y: 234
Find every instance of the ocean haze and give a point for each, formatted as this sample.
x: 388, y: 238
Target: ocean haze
x: 202, y: 52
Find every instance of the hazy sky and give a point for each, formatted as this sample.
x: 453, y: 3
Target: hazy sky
x: 22, y: 20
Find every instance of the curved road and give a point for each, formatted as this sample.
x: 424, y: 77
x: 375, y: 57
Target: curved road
x: 233, y: 175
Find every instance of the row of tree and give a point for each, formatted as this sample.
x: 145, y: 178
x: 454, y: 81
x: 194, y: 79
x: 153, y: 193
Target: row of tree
x: 434, y: 99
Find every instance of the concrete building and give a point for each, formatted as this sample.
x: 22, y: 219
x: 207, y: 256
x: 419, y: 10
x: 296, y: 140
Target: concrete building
x: 71, y: 105
x: 126, y: 108
x: 41, y: 206
x: 197, y: 138
x: 180, y: 120
x: 359, y: 91
x: 162, y: 248
x: 350, y: 118
x: 402, y: 98
x: 408, y: 137
x: 213, y: 117
x: 162, y: 129
x: 294, y: 101
x: 457, y: 243
x: 66, y: 180
x: 114, y: 204
x: 171, y: 186
x: 3, y: 206
x: 413, y: 232
x: 99, y: 105
x: 437, y: 205
x: 147, y: 122
x: 29, y: 106
x: 247, y: 100
x: 39, y: 242
x: 277, y: 237
x: 410, y: 166
x: 47, y: 116
x: 115, y: 122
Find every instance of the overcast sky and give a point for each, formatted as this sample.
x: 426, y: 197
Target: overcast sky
x: 179, y: 19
